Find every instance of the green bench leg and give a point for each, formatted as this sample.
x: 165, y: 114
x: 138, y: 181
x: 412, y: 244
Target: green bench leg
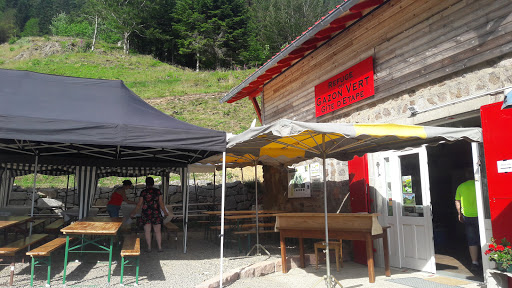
x: 122, y: 269
x: 137, y: 271
x: 123, y: 262
x: 110, y: 258
x: 65, y: 260
x: 47, y: 261
x: 32, y: 272
x: 49, y: 269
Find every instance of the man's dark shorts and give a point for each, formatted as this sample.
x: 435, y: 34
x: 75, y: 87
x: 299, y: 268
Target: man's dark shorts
x: 472, y: 232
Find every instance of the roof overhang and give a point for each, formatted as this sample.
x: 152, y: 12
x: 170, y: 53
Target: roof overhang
x: 322, y: 31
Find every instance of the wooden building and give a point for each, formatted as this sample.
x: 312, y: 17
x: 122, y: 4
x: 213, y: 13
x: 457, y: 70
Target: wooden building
x: 429, y: 63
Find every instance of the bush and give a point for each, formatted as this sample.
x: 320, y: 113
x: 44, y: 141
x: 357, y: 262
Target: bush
x: 31, y: 28
x: 62, y: 25
x: 13, y: 40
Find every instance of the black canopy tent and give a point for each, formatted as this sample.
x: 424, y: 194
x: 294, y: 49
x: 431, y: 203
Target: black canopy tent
x: 85, y: 126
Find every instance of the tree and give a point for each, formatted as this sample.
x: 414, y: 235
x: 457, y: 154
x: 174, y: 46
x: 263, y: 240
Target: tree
x: 278, y: 22
x: 192, y: 28
x: 215, y: 32
x: 159, y: 37
x: 31, y: 28
x: 8, y: 26
x: 124, y: 16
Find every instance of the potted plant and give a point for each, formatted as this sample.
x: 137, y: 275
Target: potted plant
x: 501, y: 254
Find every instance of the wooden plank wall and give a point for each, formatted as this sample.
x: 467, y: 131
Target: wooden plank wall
x: 412, y: 42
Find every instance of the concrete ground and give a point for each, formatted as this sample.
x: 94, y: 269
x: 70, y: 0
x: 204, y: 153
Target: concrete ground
x: 352, y: 275
x: 200, y: 268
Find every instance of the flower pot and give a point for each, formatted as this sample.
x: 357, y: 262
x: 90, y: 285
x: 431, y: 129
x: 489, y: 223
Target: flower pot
x: 499, y: 266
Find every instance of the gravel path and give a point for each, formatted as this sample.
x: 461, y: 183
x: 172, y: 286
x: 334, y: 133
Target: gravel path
x: 171, y: 268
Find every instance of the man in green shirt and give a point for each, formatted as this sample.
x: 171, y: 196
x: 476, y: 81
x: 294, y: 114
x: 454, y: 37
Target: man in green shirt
x: 465, y: 202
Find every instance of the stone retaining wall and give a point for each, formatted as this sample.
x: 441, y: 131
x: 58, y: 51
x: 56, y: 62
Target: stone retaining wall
x: 239, y: 196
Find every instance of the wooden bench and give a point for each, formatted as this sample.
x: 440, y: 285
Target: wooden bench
x: 54, y: 227
x: 11, y: 250
x: 131, y: 248
x: 43, y: 255
x: 171, y: 227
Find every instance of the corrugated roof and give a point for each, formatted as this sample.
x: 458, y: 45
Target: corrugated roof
x: 323, y: 30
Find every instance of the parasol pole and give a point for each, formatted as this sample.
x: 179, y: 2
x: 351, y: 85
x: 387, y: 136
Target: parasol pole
x: 327, y: 260
x: 258, y: 245
x: 223, y: 196
x: 330, y: 280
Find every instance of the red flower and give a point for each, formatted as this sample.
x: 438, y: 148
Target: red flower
x: 487, y: 252
x: 500, y: 248
x: 509, y: 247
x: 491, y: 246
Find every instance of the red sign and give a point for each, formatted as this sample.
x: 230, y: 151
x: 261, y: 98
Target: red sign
x: 348, y: 87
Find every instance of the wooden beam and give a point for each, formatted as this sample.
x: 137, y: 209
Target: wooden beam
x: 257, y: 108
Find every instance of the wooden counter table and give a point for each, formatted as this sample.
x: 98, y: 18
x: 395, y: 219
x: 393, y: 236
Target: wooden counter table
x: 347, y: 226
x: 99, y: 226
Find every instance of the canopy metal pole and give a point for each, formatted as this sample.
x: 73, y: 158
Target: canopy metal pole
x: 135, y: 188
x: 213, y: 198
x: 185, y: 208
x: 223, y: 197
x: 66, y: 198
x: 74, y: 189
x: 33, y: 196
x: 195, y: 186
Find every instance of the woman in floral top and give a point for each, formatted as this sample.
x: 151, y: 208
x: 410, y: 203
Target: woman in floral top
x: 151, y: 202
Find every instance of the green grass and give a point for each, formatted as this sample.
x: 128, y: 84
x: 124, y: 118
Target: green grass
x: 44, y: 181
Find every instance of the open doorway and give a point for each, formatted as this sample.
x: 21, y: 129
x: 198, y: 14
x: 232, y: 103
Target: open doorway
x: 447, y: 163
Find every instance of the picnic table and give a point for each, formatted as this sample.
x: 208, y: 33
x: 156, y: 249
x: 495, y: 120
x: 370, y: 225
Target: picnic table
x: 105, y: 227
x: 11, y: 221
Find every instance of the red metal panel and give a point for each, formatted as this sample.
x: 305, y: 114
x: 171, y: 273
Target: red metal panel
x: 347, y: 18
x: 359, y: 198
x: 497, y: 136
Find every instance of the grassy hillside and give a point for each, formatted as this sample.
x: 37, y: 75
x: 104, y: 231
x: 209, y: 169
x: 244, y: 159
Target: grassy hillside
x: 180, y: 92
x: 189, y: 96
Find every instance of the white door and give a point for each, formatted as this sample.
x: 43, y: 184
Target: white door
x: 411, y: 219
x: 390, y: 209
